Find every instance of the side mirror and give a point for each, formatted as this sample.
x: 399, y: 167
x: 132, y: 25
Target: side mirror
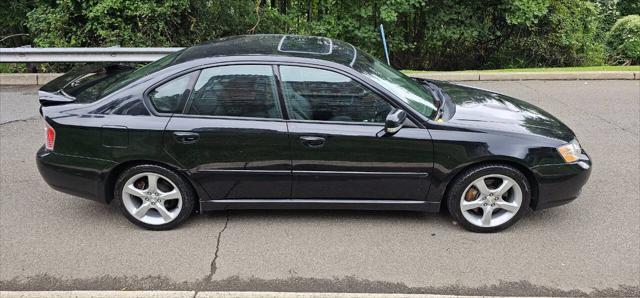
x: 395, y: 120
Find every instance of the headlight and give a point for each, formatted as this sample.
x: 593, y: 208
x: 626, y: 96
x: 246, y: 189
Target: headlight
x: 570, y: 152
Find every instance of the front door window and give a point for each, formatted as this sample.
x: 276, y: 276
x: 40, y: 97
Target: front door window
x: 317, y: 94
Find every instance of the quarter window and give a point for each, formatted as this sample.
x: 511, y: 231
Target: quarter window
x: 171, y: 96
x: 316, y: 94
x: 238, y: 90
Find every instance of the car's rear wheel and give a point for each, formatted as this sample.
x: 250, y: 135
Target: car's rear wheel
x: 154, y: 197
x: 489, y: 198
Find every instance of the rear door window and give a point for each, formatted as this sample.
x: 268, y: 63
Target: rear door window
x: 236, y: 91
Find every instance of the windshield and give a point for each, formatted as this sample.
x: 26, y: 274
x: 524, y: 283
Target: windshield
x: 407, y: 89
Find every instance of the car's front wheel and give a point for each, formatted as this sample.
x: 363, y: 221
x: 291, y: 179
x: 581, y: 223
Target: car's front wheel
x: 489, y: 198
x: 154, y: 197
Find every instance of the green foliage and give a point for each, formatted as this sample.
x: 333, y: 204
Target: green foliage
x: 422, y: 34
x: 13, y: 32
x: 566, y: 36
x: 628, y: 7
x: 110, y: 22
x: 623, y: 41
x: 608, y: 11
x: 525, y: 12
x: 498, y: 34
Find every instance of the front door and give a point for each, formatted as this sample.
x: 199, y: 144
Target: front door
x: 231, y: 135
x: 338, y: 149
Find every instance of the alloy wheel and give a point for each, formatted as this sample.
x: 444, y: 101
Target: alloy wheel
x: 152, y: 198
x: 491, y: 200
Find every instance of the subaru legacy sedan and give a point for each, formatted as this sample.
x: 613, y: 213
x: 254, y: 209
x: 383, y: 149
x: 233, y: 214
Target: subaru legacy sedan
x: 284, y: 121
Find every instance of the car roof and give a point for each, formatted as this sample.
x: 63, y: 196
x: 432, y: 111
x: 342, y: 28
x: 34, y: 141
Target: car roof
x: 278, y: 45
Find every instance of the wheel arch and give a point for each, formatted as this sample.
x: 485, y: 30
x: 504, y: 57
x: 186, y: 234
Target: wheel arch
x: 520, y: 166
x: 114, y: 173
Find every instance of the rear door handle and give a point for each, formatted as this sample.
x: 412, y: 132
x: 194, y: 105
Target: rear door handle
x: 312, y: 142
x: 186, y: 137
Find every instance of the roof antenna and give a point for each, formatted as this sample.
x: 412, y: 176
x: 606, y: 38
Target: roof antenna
x: 384, y: 43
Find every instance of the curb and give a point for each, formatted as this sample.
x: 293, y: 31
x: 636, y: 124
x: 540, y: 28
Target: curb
x: 195, y: 294
x: 24, y: 79
x: 43, y: 78
x: 18, y: 79
x: 526, y: 76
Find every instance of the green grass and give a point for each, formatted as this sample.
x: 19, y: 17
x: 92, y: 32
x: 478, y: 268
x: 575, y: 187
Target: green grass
x: 545, y: 69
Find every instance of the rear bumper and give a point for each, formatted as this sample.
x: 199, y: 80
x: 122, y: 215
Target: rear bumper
x: 560, y: 184
x: 78, y: 176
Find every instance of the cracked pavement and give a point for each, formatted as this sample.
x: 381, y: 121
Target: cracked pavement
x: 214, y: 265
x: 50, y: 240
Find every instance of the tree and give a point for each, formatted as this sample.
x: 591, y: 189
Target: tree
x: 422, y: 34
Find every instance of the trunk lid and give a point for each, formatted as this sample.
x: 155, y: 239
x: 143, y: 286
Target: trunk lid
x: 82, y: 85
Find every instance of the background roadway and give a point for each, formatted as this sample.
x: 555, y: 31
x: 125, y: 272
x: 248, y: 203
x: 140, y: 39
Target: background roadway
x: 50, y: 240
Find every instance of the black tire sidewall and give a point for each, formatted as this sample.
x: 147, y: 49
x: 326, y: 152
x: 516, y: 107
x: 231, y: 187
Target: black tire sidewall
x: 464, y: 179
x: 188, y: 195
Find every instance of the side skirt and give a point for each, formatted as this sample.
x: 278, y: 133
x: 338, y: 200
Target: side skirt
x: 320, y: 204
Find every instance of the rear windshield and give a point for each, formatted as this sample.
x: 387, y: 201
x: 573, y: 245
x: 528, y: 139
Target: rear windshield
x: 143, y: 71
x: 90, y: 86
x: 94, y: 81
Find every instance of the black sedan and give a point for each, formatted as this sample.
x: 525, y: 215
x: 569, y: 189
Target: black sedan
x: 282, y: 121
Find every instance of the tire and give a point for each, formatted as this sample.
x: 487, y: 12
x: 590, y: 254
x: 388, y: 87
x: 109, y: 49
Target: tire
x: 469, y: 202
x: 162, y: 207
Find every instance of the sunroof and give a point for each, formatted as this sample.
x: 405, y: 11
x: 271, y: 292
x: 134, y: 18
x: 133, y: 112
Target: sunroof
x: 306, y: 45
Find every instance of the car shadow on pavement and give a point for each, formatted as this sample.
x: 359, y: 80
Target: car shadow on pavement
x: 110, y: 213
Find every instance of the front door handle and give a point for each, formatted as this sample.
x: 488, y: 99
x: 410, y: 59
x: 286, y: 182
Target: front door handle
x: 312, y: 142
x: 186, y: 137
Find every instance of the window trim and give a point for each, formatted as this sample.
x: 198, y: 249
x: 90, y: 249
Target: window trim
x: 146, y: 100
x: 192, y: 83
x: 229, y: 117
x: 413, y: 116
x: 281, y: 100
x: 276, y: 93
x: 364, y: 84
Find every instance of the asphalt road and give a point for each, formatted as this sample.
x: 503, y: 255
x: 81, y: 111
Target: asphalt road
x: 50, y: 240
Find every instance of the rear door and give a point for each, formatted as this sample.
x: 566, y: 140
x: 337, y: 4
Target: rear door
x: 231, y: 135
x: 338, y: 146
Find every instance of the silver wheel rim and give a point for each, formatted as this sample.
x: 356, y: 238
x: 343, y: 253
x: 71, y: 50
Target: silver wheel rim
x: 498, y: 200
x: 152, y: 198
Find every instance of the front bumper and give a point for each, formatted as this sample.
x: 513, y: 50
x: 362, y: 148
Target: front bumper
x: 78, y: 176
x: 559, y: 184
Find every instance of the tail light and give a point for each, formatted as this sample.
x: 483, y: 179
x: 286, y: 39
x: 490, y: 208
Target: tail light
x: 50, y: 135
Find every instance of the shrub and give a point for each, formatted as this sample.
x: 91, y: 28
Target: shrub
x: 623, y: 41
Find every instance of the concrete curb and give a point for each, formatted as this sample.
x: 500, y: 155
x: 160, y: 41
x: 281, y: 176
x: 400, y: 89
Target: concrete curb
x: 18, y: 79
x: 195, y: 294
x: 526, y: 76
x: 43, y: 78
x: 27, y: 78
